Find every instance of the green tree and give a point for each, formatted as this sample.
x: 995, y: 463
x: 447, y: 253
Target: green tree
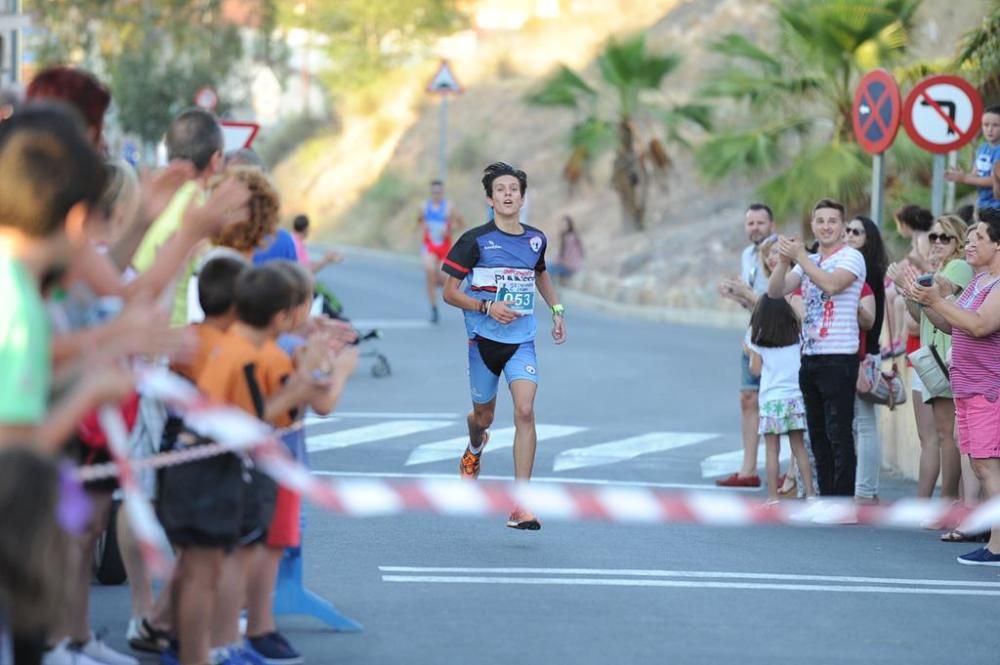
x: 980, y: 53
x: 367, y: 38
x: 624, y: 110
x: 795, y: 97
x: 155, y: 53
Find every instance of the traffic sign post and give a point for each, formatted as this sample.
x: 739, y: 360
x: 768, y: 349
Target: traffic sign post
x: 444, y: 84
x: 206, y: 98
x: 875, y: 115
x: 942, y: 114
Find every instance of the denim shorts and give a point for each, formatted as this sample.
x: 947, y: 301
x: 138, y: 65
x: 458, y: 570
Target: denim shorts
x: 748, y: 382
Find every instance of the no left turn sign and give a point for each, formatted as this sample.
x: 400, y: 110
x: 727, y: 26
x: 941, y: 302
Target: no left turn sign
x: 942, y: 113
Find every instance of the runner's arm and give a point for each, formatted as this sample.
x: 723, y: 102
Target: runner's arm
x: 454, y: 296
x: 543, y: 282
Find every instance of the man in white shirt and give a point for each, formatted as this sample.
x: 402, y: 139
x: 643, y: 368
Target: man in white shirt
x: 759, y: 225
x: 831, y: 282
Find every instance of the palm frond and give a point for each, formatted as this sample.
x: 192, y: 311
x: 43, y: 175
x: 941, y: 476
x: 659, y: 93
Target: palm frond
x: 564, y: 88
x: 739, y: 47
x: 592, y: 137
x: 839, y: 170
x: 740, y: 84
x: 753, y: 150
x: 627, y: 64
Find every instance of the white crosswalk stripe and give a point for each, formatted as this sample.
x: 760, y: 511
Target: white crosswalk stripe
x: 725, y: 463
x: 499, y: 439
x: 388, y: 430
x: 612, y: 452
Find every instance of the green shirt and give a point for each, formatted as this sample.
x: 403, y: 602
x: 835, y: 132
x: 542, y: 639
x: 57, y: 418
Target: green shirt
x: 959, y: 273
x: 25, y: 347
x: 159, y: 232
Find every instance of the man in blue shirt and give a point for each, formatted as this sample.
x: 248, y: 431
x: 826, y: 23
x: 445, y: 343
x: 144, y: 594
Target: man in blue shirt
x: 987, y: 156
x: 502, y: 264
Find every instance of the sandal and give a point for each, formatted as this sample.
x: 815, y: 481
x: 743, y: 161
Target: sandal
x: 956, y: 536
x: 793, y: 490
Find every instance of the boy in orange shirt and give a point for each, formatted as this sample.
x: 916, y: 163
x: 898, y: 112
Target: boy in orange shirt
x: 248, y: 371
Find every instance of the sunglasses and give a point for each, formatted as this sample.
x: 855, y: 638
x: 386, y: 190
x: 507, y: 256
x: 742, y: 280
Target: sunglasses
x: 940, y: 237
x: 854, y: 231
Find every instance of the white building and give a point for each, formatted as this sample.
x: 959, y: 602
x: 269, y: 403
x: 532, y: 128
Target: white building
x: 12, y: 21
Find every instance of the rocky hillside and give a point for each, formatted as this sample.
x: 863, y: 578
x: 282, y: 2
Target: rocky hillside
x: 366, y: 185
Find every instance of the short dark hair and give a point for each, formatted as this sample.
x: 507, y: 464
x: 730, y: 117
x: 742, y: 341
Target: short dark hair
x: 915, y: 217
x: 47, y: 166
x: 991, y: 218
x: 498, y: 169
x: 774, y: 324
x: 76, y: 87
x: 756, y: 207
x: 217, y: 284
x: 995, y: 110
x: 298, y: 276
x: 262, y: 292
x: 194, y: 135
x: 300, y: 223
x: 833, y: 204
x: 967, y: 213
x: 436, y: 182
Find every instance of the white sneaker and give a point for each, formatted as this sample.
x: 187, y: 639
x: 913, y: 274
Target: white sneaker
x: 62, y: 654
x: 102, y: 653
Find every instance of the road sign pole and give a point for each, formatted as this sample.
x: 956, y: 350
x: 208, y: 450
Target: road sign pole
x: 937, y: 186
x: 443, y: 142
x: 949, y: 189
x: 878, y: 178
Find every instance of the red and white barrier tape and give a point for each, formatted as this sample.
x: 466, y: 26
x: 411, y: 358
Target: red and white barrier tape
x: 235, y: 430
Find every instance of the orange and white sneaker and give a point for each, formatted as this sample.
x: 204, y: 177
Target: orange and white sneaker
x: 468, y: 466
x: 522, y: 519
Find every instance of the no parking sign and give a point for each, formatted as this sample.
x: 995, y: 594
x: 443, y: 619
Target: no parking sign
x: 876, y: 111
x: 942, y: 113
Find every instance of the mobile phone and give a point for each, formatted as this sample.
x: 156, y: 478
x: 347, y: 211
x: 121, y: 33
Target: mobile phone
x: 927, y: 279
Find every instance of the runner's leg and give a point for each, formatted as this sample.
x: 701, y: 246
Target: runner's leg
x: 525, y: 436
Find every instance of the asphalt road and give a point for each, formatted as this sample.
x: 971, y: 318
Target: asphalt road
x: 662, y: 400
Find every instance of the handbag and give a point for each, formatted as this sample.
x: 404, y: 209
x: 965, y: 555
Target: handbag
x: 933, y: 371
x: 878, y: 387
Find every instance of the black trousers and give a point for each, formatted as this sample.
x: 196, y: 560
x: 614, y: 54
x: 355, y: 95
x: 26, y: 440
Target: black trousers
x: 828, y: 384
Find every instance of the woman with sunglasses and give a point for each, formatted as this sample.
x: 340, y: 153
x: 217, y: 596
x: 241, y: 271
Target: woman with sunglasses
x: 863, y: 235
x: 939, y: 454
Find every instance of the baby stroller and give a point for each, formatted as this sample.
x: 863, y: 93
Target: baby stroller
x: 327, y: 303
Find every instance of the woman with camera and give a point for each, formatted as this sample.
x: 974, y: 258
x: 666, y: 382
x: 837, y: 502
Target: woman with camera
x: 974, y: 323
x: 951, y: 274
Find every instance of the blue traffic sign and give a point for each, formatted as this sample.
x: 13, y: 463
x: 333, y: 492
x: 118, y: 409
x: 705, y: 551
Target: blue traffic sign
x: 876, y: 111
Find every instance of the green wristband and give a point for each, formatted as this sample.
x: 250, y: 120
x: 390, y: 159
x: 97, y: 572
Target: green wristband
x: 558, y: 310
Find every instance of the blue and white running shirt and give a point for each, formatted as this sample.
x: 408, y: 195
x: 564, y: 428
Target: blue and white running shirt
x: 501, y: 267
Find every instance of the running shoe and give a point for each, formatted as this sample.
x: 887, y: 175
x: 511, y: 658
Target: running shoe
x: 142, y: 636
x: 64, y: 654
x: 980, y: 557
x: 274, y: 650
x: 522, y: 519
x: 96, y: 649
x: 468, y: 466
x: 736, y: 480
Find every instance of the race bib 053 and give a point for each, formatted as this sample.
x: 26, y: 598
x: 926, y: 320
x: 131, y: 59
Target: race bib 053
x: 516, y: 289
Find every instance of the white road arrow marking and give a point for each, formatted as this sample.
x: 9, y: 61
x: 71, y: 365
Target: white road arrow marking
x: 358, y: 435
x: 499, y: 439
x: 625, y: 449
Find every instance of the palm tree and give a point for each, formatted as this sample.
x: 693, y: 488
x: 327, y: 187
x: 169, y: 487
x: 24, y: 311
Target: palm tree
x: 980, y: 53
x: 798, y: 95
x: 625, y: 110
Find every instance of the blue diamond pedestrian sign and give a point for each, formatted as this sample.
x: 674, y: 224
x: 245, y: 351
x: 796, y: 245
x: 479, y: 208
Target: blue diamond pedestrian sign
x: 876, y: 111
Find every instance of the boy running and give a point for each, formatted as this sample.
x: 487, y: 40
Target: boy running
x: 438, y: 220
x: 502, y: 262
